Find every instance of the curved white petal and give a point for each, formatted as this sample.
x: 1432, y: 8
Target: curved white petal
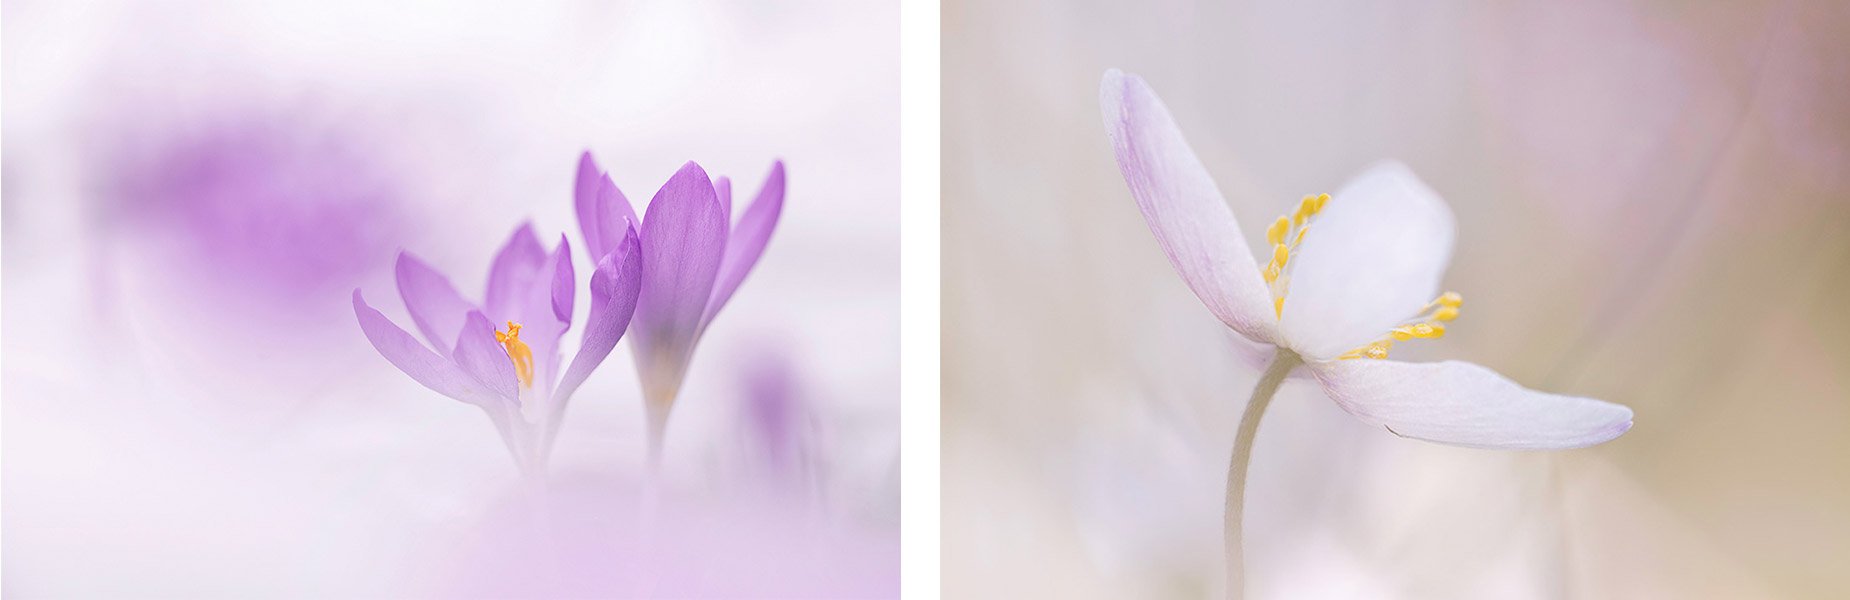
x: 1369, y: 261
x: 1463, y: 404
x: 1184, y: 208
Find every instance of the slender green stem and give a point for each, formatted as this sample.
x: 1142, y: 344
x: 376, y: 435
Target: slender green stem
x: 1282, y: 363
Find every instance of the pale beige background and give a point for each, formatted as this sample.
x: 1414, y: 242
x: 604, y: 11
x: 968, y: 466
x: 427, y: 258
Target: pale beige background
x: 1652, y: 210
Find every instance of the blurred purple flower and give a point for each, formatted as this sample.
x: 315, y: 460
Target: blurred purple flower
x: 510, y: 374
x: 692, y: 263
x: 777, y: 425
x: 261, y: 205
x: 1360, y: 284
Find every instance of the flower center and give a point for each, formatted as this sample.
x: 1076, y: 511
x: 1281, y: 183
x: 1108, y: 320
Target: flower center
x: 518, y: 352
x: 1288, y: 229
x: 1430, y: 324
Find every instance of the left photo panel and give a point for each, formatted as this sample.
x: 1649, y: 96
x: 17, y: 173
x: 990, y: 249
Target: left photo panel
x: 346, y: 299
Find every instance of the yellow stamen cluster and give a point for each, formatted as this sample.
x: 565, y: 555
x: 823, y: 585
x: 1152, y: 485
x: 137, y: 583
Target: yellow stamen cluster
x: 1289, y: 228
x: 1430, y: 324
x: 518, y: 352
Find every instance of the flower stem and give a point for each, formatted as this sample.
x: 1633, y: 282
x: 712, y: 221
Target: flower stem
x: 658, y: 428
x: 1282, y: 363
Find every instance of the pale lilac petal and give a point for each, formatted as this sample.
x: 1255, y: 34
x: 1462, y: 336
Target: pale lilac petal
x: 748, y: 239
x: 516, y: 267
x: 1370, y: 261
x: 615, y: 213
x: 1463, y: 404
x: 614, y: 286
x: 585, y: 202
x: 722, y: 187
x: 434, y: 305
x: 562, y: 282
x: 423, y: 365
x: 485, y: 359
x: 683, y: 240
x: 1184, y: 208
x: 537, y: 310
x: 603, y: 212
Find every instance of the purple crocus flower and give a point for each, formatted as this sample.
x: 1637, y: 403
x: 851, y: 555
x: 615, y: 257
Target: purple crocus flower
x: 693, y: 259
x: 511, y: 372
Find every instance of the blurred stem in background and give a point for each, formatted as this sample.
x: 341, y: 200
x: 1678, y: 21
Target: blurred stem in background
x: 1282, y: 364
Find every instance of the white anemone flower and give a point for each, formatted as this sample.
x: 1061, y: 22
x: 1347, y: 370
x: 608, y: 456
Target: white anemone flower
x: 1349, y: 276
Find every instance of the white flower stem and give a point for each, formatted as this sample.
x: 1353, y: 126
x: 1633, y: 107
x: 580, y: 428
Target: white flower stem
x: 1282, y: 363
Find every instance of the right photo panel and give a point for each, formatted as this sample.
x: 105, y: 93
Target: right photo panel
x: 1354, y: 299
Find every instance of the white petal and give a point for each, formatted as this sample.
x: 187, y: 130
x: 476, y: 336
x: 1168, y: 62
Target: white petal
x: 1184, y: 208
x: 1463, y: 404
x: 1370, y: 260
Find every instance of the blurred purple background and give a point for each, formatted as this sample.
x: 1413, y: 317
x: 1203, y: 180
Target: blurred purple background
x: 192, y: 190
x: 1652, y: 210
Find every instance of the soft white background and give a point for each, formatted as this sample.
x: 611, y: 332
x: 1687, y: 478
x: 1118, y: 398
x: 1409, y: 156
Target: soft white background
x: 156, y: 445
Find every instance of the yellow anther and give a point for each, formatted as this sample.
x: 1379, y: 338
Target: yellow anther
x: 1402, y: 333
x: 1426, y: 330
x: 518, y: 352
x: 1451, y: 299
x: 1445, y: 313
x: 1276, y: 233
x: 1376, y: 351
x: 1290, y: 227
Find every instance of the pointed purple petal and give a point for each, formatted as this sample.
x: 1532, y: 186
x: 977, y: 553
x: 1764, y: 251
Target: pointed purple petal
x: 585, y: 190
x: 683, y: 241
x: 485, y: 359
x: 604, y: 214
x: 615, y: 216
x: 614, y: 286
x: 434, y: 305
x: 543, y: 309
x: 423, y: 365
x: 562, y: 282
x: 748, y: 240
x: 722, y: 188
x: 516, y: 267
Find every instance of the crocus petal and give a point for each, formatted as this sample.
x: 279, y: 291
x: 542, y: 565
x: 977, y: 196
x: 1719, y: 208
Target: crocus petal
x: 616, y: 213
x: 683, y: 240
x: 722, y: 187
x: 1370, y: 260
x: 485, y: 359
x: 1463, y: 404
x: 410, y: 356
x: 748, y: 239
x: 511, y: 277
x: 1184, y: 208
x: 562, y: 282
x: 614, y: 286
x: 434, y: 305
x: 603, y: 212
x: 585, y: 190
x: 543, y: 323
